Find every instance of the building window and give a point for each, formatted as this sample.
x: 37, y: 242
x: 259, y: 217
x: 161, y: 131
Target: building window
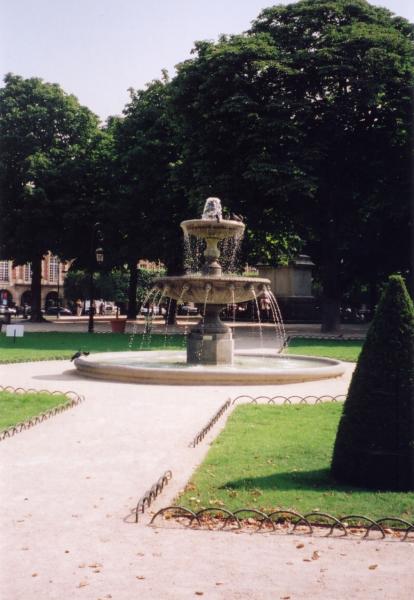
x: 4, y: 270
x: 27, y: 273
x: 53, y: 269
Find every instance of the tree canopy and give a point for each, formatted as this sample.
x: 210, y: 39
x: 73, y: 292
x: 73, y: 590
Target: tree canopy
x: 43, y: 132
x: 301, y: 124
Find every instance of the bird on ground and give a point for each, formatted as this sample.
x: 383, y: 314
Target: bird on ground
x: 235, y: 217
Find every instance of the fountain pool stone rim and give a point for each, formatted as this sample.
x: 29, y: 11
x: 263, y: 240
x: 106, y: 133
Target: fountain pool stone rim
x: 108, y: 366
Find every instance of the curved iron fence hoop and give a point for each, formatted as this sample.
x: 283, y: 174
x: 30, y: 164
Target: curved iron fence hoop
x: 150, y: 495
x: 371, y: 524
x: 182, y: 509
x: 336, y: 522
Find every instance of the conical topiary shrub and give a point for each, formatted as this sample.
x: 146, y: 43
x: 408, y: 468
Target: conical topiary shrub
x: 374, y: 446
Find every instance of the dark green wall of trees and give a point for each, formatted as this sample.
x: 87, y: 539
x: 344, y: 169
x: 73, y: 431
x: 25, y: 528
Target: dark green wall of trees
x: 302, y: 124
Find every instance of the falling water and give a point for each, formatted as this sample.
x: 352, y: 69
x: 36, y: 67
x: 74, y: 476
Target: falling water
x: 180, y: 301
x: 207, y: 290
x: 277, y: 317
x: 147, y: 298
x: 193, y: 253
x: 149, y: 318
x: 167, y: 319
x: 233, y: 304
x: 258, y: 316
x: 229, y: 254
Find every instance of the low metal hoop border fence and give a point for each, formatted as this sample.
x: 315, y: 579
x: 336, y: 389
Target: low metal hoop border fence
x: 286, y: 521
x: 203, y: 432
x: 294, y: 399
x: 150, y: 495
x: 73, y: 399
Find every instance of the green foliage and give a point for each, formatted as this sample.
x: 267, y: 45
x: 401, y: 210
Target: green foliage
x: 349, y: 91
x: 271, y: 457
x: 303, y: 126
x: 43, y: 131
x: 146, y: 282
x: 149, y: 206
x: 375, y: 441
x: 108, y: 286
x: 46, y: 134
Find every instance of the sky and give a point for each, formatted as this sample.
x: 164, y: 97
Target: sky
x: 97, y: 49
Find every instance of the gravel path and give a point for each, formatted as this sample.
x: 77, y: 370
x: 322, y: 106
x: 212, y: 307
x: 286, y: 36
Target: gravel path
x: 68, y: 486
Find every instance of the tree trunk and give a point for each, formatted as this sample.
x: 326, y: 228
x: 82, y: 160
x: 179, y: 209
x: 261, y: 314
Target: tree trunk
x: 331, y: 317
x: 36, y: 289
x: 132, y: 290
x: 171, y: 317
x: 330, y: 279
x: 174, y: 267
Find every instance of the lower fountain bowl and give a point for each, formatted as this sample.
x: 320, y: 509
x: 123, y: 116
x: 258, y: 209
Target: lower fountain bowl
x: 170, y: 368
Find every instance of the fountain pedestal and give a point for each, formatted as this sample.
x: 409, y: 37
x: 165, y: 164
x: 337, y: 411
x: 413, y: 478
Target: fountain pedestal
x: 210, y: 342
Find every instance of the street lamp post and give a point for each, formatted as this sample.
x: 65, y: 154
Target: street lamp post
x: 58, y: 289
x: 62, y: 270
x: 96, y: 256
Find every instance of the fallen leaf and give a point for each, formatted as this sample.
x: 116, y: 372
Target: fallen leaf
x: 372, y: 567
x: 219, y: 583
x: 140, y: 577
x: 35, y: 574
x: 95, y: 565
x: 83, y: 584
x: 315, y: 555
x: 300, y: 545
x: 199, y: 593
x: 306, y: 560
x: 140, y: 554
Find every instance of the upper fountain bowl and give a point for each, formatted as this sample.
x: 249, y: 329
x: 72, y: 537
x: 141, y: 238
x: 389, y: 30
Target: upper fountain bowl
x: 212, y: 290
x: 215, y: 230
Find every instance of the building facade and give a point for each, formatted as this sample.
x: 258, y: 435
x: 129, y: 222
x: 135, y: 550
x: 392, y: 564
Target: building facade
x: 15, y: 282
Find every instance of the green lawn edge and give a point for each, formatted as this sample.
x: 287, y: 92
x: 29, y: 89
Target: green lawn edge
x: 20, y: 407
x: 346, y: 350
x: 35, y: 347
x: 278, y: 457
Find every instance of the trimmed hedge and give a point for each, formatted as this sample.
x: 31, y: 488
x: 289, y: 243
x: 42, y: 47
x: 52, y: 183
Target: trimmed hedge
x: 374, y: 446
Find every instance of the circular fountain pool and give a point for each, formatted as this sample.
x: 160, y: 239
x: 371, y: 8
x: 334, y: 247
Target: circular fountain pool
x: 170, y: 368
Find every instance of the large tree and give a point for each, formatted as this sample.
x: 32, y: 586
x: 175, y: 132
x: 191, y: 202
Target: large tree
x: 302, y: 124
x: 150, y: 205
x: 350, y: 87
x: 238, y: 140
x: 43, y: 133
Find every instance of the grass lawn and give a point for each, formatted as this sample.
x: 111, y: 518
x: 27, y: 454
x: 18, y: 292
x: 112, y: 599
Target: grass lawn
x: 15, y: 408
x: 271, y: 457
x: 53, y: 345
x: 340, y: 349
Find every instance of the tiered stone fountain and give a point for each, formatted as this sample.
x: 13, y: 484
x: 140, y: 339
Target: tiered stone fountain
x: 210, y: 358
x: 210, y: 342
